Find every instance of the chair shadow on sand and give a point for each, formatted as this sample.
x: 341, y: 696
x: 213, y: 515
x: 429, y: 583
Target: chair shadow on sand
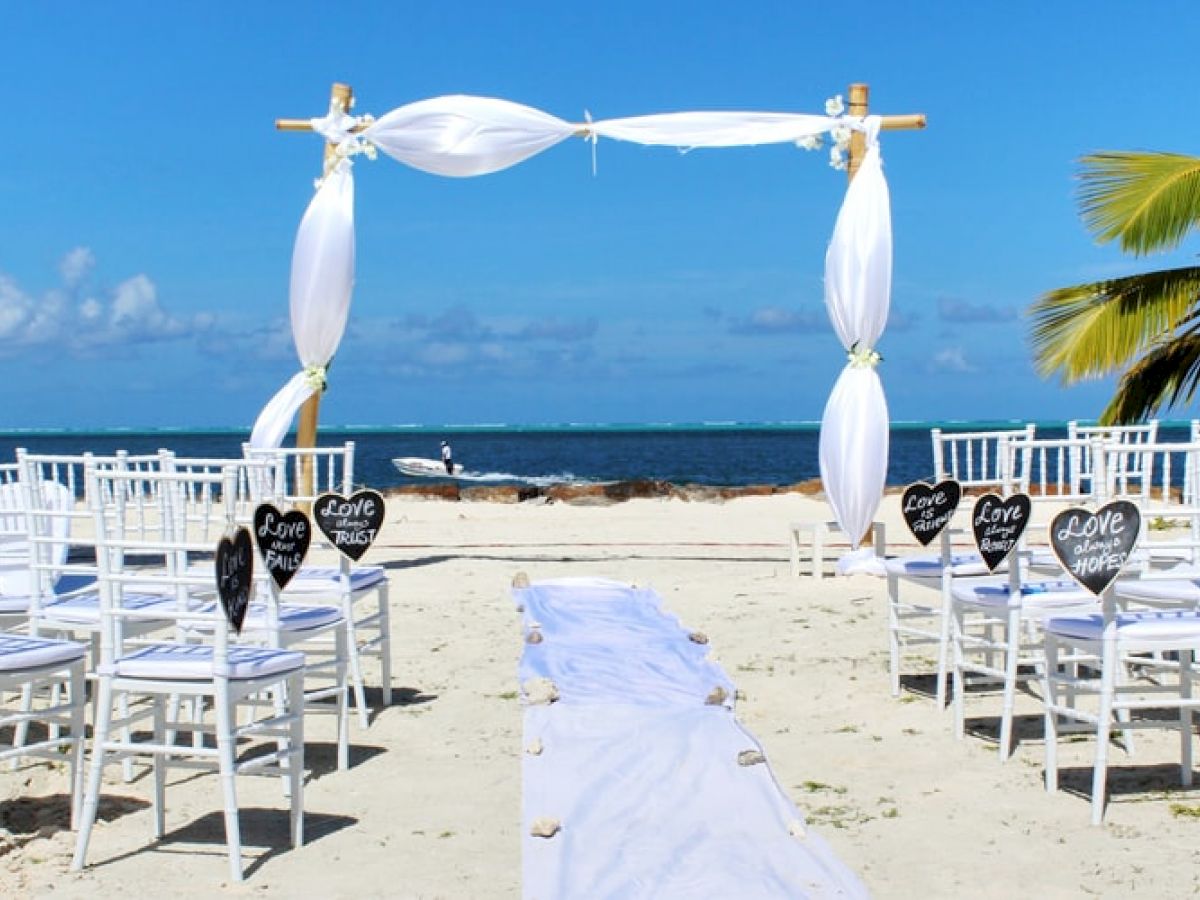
x: 321, y: 757
x: 29, y: 818
x: 264, y: 828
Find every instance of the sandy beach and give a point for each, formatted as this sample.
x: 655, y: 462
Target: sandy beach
x: 430, y: 806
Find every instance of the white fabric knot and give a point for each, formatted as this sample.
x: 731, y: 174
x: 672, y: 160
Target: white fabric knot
x: 863, y: 357
x: 314, y: 376
x: 589, y: 134
x: 342, y: 130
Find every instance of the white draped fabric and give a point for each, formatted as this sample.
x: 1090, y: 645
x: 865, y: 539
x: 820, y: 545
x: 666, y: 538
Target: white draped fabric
x: 464, y: 136
x: 643, y: 769
x: 858, y: 286
x: 321, y: 286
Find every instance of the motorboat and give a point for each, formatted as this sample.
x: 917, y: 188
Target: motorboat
x: 418, y: 467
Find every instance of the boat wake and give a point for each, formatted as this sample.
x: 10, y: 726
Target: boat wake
x: 534, y: 480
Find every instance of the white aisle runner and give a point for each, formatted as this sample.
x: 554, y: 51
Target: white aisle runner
x: 655, y: 788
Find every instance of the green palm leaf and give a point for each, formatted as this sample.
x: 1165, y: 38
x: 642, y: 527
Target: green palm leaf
x: 1167, y: 374
x: 1149, y: 201
x: 1090, y: 329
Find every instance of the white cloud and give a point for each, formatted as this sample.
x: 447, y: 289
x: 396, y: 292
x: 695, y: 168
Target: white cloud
x: 123, y: 317
x: 951, y: 359
x: 76, y: 266
x: 778, y: 320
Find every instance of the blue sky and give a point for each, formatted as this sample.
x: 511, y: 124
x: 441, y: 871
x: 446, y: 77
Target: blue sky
x: 148, y: 207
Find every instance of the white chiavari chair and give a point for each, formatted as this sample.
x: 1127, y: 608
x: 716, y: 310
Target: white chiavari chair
x: 360, y: 590
x: 227, y: 675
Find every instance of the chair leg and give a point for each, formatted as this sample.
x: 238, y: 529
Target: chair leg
x: 1186, y: 660
x: 78, y: 735
x: 894, y: 634
x: 818, y: 551
x: 356, y: 677
x: 343, y: 712
x: 91, y: 797
x: 160, y: 768
x: 226, y: 754
x: 1108, y: 665
x: 385, y: 644
x: 794, y: 552
x: 295, y: 759
x: 1012, y: 653
x: 21, y: 731
x: 957, y: 637
x: 56, y: 694
x: 1050, y: 700
x: 944, y: 642
x: 126, y: 735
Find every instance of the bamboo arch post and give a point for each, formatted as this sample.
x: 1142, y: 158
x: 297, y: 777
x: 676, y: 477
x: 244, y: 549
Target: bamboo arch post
x: 859, y: 95
x: 341, y: 96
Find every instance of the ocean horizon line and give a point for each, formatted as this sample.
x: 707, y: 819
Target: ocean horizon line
x: 800, y: 425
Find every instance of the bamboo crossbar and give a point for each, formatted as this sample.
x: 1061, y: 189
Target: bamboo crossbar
x: 907, y: 121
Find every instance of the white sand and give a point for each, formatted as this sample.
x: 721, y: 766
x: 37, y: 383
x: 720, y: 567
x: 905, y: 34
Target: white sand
x: 430, y: 806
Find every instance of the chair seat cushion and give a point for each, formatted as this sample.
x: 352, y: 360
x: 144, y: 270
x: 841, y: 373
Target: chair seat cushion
x: 1160, y: 627
x: 293, y: 617
x: 929, y: 565
x: 1033, y: 594
x: 17, y: 604
x: 327, y: 579
x: 18, y: 651
x: 84, y: 608
x: 194, y: 662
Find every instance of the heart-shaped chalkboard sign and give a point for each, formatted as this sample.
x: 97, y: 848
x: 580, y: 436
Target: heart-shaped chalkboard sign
x: 235, y: 569
x: 1093, y: 546
x: 927, y: 508
x: 351, y: 523
x: 998, y: 525
x: 282, y: 539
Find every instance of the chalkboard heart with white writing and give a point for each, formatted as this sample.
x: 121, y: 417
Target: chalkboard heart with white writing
x: 998, y: 524
x: 282, y: 539
x: 1094, y: 546
x: 927, y: 508
x: 351, y: 523
x: 235, y: 569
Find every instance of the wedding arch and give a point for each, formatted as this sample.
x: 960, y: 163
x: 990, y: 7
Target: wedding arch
x: 462, y: 136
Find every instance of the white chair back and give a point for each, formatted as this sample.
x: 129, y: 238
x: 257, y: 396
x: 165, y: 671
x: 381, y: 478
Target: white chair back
x: 1050, y: 469
x: 205, y: 508
x: 137, y: 561
x: 309, y: 472
x: 976, y: 459
x: 1120, y: 469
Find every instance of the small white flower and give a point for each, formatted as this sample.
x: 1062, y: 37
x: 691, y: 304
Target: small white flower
x: 834, y: 106
x: 314, y: 376
x: 841, y: 134
x: 837, y: 158
x: 810, y: 142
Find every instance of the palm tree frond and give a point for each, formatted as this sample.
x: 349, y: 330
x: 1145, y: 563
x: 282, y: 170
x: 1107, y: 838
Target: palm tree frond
x: 1147, y: 201
x: 1168, y: 374
x: 1090, y: 330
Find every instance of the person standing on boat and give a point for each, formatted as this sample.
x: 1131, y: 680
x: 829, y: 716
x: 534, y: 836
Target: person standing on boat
x: 448, y: 458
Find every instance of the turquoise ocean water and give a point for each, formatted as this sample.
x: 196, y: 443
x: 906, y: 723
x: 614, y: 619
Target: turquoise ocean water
x: 711, y: 453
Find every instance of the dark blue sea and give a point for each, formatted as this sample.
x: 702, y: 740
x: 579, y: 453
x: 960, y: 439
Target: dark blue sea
x: 708, y: 454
